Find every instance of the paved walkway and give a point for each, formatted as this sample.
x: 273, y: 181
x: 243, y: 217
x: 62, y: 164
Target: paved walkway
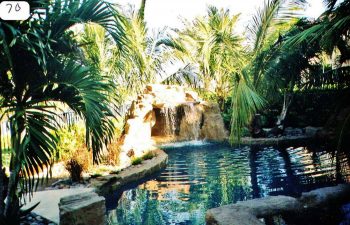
x: 48, y: 207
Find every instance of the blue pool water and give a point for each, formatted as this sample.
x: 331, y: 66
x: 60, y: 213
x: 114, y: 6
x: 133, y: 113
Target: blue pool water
x: 202, y: 175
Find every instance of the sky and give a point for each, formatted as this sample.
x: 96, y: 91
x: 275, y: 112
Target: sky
x: 168, y: 13
x: 161, y: 13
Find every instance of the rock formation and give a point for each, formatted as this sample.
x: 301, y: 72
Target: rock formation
x: 293, y: 210
x: 82, y: 209
x: 169, y: 113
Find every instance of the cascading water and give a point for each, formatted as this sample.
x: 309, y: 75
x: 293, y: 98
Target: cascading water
x: 190, y: 122
x: 169, y: 114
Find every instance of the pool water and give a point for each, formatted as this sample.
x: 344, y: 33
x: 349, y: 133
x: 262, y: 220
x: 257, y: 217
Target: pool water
x: 203, y: 175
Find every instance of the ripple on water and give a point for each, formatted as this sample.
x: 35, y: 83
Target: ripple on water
x: 202, y: 175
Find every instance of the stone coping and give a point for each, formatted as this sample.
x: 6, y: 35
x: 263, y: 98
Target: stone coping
x: 276, y: 141
x: 49, y: 199
x: 283, y: 140
x: 107, y: 184
x: 249, y: 212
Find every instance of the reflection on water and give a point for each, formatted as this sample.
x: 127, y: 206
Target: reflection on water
x: 200, y: 176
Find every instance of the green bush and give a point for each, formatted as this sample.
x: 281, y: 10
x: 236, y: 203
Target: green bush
x: 148, y: 155
x: 114, y: 172
x: 95, y: 175
x: 136, y: 161
x: 75, y: 169
x: 71, y: 140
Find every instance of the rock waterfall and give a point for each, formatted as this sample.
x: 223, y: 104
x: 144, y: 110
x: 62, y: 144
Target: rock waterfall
x: 165, y: 113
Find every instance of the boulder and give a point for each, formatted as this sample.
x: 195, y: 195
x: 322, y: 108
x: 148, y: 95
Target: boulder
x: 311, y: 131
x: 289, y: 131
x: 82, y: 209
x: 335, y: 195
x: 213, y: 127
x: 249, y: 212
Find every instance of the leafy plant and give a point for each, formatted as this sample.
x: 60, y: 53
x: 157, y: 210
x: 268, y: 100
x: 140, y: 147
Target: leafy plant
x: 138, y: 62
x: 148, y: 155
x: 71, y: 141
x: 136, y: 161
x: 53, y: 72
x: 210, y: 47
x: 75, y: 169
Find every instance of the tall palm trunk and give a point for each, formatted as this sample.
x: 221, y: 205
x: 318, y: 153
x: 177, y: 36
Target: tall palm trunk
x: 17, y: 131
x: 287, y: 100
x: 1, y: 178
x: 142, y: 10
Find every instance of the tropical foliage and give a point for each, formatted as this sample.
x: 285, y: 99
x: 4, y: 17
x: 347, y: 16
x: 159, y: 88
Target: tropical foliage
x: 86, y: 56
x: 211, y: 48
x: 138, y: 62
x: 41, y: 65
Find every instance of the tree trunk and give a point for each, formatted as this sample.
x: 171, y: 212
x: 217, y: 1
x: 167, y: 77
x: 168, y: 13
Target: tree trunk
x: 142, y: 10
x: 1, y: 179
x: 287, y: 100
x: 17, y: 130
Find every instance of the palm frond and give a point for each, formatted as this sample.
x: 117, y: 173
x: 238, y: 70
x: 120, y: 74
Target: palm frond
x: 245, y: 103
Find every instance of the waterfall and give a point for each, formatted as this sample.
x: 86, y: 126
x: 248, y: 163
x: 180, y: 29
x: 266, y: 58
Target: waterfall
x: 169, y: 114
x: 190, y: 123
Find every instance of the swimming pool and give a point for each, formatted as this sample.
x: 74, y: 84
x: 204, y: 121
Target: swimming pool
x: 202, y: 175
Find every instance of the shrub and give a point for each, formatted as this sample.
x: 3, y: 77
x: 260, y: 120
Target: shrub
x: 71, y: 145
x: 112, y: 158
x: 136, y: 161
x: 71, y: 140
x: 75, y: 169
x: 95, y: 175
x: 114, y: 172
x: 148, y: 155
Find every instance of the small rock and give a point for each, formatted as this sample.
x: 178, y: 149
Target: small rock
x: 57, y: 182
x: 38, y: 218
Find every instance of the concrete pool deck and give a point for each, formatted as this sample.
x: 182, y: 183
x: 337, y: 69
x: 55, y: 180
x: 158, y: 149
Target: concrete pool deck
x: 49, y: 199
x: 48, y: 207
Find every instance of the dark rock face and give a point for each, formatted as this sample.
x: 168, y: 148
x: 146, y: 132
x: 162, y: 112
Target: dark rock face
x: 83, y: 209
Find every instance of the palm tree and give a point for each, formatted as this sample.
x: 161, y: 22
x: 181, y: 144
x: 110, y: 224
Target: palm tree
x: 143, y: 60
x: 41, y: 65
x: 142, y: 10
x: 332, y: 31
x: 138, y: 62
x: 264, y: 30
x: 211, y: 45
